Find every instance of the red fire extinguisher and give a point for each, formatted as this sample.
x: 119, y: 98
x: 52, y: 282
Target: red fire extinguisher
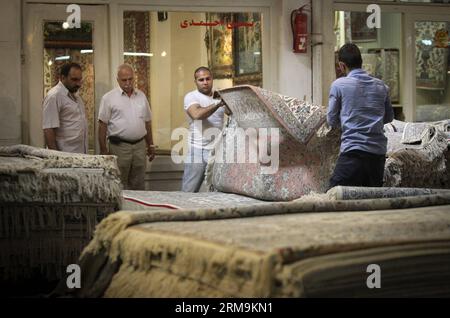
x: 299, y: 24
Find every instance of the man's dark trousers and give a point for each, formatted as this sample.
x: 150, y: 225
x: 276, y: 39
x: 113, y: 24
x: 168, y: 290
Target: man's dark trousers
x: 358, y: 168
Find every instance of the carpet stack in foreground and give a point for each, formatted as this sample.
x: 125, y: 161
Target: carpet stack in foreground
x: 50, y: 203
x: 311, y: 247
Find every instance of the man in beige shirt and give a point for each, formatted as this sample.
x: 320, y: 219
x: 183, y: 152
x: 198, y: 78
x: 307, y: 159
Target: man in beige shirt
x: 125, y: 116
x: 63, y: 113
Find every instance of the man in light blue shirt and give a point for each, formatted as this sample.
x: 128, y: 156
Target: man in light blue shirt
x: 359, y: 104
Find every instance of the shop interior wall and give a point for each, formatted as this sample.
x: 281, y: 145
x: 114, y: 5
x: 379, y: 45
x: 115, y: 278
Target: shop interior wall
x: 290, y: 73
x: 10, y: 76
x: 295, y: 69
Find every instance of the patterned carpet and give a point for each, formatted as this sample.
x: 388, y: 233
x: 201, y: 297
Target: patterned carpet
x: 157, y: 200
x: 275, y: 124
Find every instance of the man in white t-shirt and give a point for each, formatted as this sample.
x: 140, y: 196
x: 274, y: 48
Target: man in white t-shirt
x: 124, y: 116
x: 205, y: 110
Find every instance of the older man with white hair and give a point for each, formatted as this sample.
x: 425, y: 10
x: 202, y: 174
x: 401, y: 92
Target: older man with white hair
x: 125, y: 117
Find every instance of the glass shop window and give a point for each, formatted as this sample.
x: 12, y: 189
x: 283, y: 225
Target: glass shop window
x: 432, y: 57
x: 381, y: 48
x: 166, y: 47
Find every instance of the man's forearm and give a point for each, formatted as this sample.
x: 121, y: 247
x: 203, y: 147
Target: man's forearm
x: 227, y: 110
x: 333, y: 112
x: 50, y: 138
x: 102, y: 129
x: 149, y: 136
x: 149, y: 140
x: 388, y: 112
x: 204, y: 112
x: 333, y: 122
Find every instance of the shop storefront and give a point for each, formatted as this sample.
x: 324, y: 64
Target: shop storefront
x: 163, y: 43
x: 243, y: 42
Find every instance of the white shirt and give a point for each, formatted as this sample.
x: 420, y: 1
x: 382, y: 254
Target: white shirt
x: 125, y: 116
x: 197, y: 127
x: 68, y: 117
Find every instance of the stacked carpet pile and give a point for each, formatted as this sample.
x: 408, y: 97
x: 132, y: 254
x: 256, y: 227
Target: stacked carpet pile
x: 304, y: 248
x: 418, y: 154
x: 50, y: 203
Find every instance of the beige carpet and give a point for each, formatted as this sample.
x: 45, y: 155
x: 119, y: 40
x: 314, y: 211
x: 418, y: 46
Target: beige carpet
x: 297, y: 249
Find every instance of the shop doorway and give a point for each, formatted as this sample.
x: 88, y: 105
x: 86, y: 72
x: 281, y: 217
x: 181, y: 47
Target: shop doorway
x: 49, y: 43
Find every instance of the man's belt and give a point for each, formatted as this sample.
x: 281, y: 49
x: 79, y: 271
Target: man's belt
x: 117, y: 140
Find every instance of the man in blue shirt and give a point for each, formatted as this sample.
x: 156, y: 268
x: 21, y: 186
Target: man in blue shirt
x: 359, y: 104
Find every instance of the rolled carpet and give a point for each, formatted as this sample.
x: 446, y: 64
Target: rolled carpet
x: 275, y: 147
x: 358, y: 193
